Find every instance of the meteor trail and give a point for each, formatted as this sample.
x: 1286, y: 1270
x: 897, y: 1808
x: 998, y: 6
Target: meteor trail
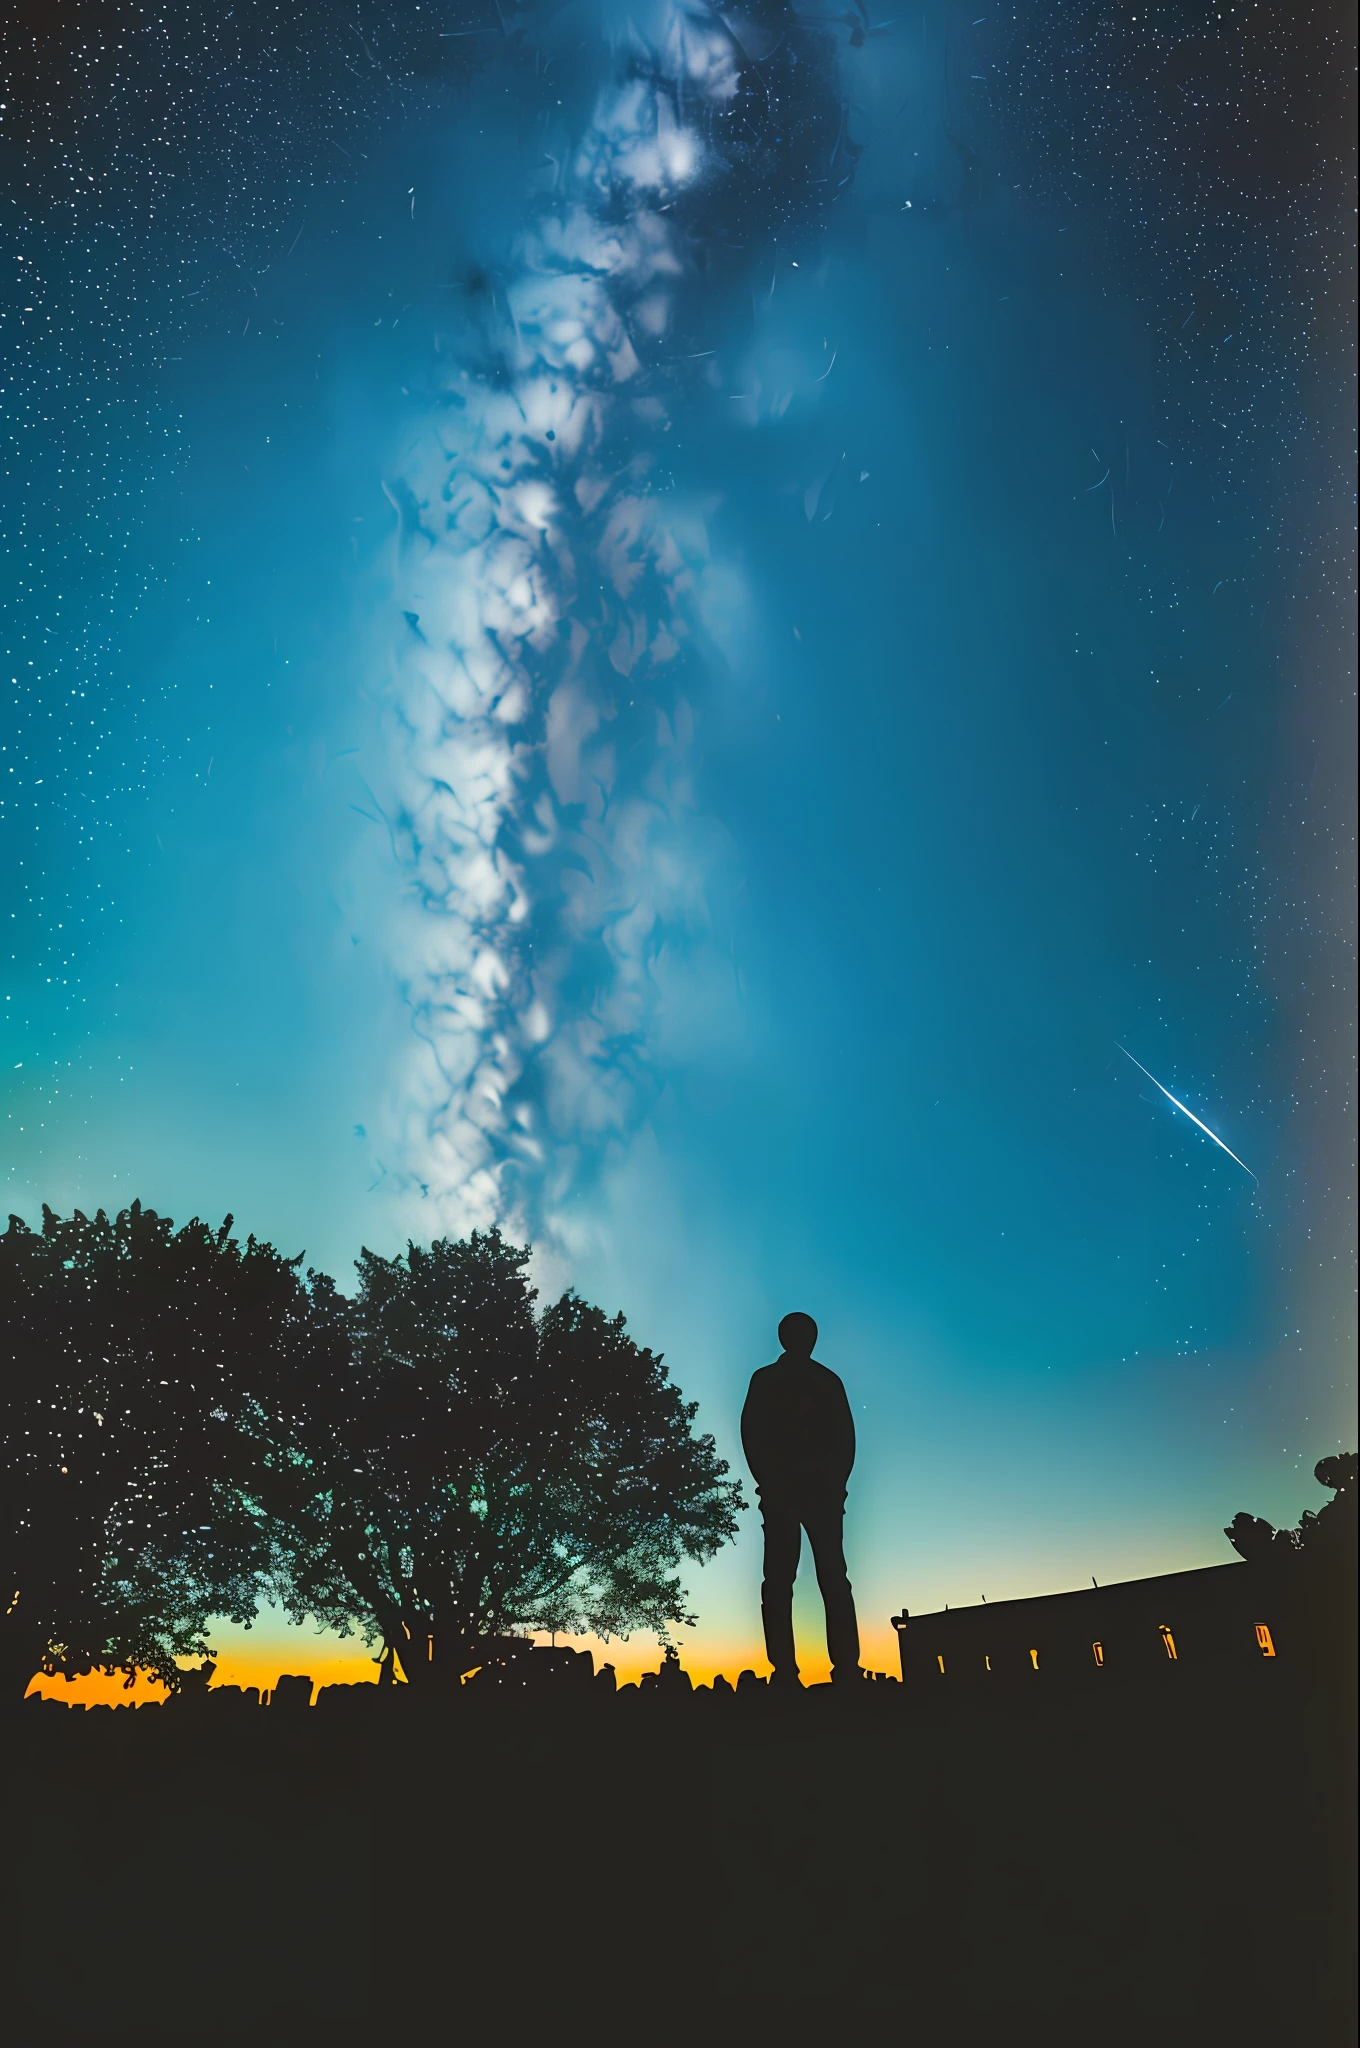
x: 1190, y: 1113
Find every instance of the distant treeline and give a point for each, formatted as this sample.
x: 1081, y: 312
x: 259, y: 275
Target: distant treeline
x: 1322, y: 1540
x: 192, y: 1424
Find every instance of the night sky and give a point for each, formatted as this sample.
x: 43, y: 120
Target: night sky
x: 690, y: 633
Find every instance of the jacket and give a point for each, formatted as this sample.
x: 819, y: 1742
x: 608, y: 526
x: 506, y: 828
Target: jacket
x: 796, y: 1428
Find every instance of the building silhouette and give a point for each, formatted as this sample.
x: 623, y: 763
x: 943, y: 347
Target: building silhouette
x: 1220, y: 1617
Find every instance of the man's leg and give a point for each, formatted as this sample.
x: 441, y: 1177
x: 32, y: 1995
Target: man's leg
x: 783, y: 1541
x: 825, y: 1524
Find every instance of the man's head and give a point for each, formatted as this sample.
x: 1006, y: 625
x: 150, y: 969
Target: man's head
x: 798, y: 1334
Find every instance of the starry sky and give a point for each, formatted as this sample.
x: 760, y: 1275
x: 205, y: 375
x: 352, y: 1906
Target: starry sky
x: 689, y: 632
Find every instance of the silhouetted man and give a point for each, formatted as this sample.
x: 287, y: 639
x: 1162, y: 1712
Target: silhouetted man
x: 799, y: 1438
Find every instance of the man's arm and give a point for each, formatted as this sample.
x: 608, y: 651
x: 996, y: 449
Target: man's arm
x: 754, y: 1435
x: 842, y: 1432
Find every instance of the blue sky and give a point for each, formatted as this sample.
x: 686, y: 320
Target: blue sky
x: 1005, y: 736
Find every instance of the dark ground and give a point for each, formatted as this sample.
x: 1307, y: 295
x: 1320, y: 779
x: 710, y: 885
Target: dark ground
x: 1174, y: 1862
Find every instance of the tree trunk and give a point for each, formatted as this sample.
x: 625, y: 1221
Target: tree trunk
x: 410, y: 1643
x: 21, y: 1651
x: 454, y: 1652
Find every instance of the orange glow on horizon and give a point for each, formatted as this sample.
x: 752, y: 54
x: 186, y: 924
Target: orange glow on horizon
x: 263, y: 1661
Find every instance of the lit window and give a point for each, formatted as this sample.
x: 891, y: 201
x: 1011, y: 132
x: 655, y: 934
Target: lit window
x: 940, y: 1662
x: 1034, y: 1658
x: 1264, y: 1638
x: 988, y: 1662
x: 1168, y: 1641
x: 1098, y: 1652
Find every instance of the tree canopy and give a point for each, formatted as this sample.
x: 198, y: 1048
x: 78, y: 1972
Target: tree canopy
x: 481, y: 1468
x: 188, y: 1423
x: 127, y: 1347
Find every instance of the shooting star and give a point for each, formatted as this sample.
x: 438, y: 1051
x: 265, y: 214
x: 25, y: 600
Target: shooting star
x: 1191, y: 1114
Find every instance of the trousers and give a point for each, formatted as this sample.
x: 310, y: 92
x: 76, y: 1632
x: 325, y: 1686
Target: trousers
x: 823, y: 1516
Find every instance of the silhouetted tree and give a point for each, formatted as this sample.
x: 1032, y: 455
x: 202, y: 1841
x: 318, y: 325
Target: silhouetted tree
x: 1325, y: 1540
x: 480, y: 1468
x: 126, y: 1347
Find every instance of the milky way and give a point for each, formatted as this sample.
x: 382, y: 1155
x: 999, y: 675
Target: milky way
x: 561, y: 609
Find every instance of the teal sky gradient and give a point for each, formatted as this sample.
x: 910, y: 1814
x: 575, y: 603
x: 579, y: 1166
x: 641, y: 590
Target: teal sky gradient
x: 999, y: 779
